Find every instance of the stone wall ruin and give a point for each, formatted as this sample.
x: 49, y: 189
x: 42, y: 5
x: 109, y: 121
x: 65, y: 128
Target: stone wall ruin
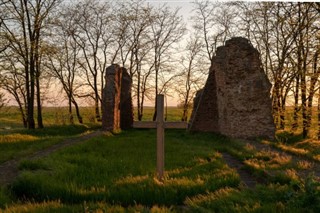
x: 236, y: 98
x: 117, y: 109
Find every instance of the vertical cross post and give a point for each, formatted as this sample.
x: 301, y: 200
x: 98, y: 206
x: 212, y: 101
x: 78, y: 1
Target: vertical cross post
x: 160, y: 137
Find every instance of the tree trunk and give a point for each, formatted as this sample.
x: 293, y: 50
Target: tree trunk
x: 39, y: 108
x: 304, y: 106
x: 310, y: 98
x: 78, y: 112
x: 319, y: 115
x: 276, y: 104
x: 282, y: 115
x: 23, y: 116
x: 96, y: 104
x: 70, y: 111
x: 296, y: 104
x: 185, y: 108
x: 138, y: 89
x: 31, y: 122
x: 155, y: 109
x: 155, y: 104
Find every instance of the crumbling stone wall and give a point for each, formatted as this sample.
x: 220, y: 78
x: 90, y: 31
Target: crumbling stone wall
x: 236, y: 98
x: 111, y: 99
x: 126, y: 107
x: 117, y: 109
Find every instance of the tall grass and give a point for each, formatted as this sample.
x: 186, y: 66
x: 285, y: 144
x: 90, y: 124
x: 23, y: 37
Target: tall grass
x: 117, y: 173
x: 121, y: 170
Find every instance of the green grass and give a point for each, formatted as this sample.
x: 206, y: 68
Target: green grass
x: 117, y: 173
x: 23, y: 142
x: 126, y: 171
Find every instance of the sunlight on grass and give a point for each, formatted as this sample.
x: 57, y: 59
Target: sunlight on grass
x: 278, y: 160
x: 309, y: 143
x: 225, y: 172
x: 267, y: 159
x: 304, y: 164
x: 316, y: 157
x: 98, y: 207
x: 249, y: 147
x: 178, y: 171
x: 132, y: 179
x: 92, y: 190
x: 209, y: 197
x: 223, y: 200
x: 32, y: 207
x: 293, y: 150
x: 17, y: 138
x: 183, y: 181
x: 292, y: 174
x: 255, y: 163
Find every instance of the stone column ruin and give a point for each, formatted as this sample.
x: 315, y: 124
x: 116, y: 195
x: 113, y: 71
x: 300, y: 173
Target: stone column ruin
x: 111, y: 99
x: 117, y: 109
x: 126, y: 107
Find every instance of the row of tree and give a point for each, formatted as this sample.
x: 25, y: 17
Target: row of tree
x: 70, y: 44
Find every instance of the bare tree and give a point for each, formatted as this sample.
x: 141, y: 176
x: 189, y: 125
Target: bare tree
x: 12, y: 80
x: 192, y: 77
x: 62, y: 61
x: 93, y: 35
x: 216, y: 21
x: 23, y: 30
x: 167, y: 29
x: 134, y: 20
x: 307, y: 59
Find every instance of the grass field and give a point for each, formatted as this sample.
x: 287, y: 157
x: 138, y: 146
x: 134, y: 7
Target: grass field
x: 117, y: 173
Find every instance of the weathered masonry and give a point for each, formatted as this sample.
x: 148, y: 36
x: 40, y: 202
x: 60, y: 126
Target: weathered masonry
x: 236, y: 98
x: 117, y: 109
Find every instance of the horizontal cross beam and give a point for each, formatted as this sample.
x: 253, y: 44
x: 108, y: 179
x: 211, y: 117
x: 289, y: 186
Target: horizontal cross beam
x: 153, y: 124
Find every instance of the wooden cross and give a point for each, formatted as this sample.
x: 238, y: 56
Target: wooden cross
x: 161, y: 125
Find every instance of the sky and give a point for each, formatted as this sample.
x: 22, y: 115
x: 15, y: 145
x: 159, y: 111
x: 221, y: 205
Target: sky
x: 184, y: 5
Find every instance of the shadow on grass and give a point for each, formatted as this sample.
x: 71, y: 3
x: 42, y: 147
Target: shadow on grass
x: 288, y: 137
x: 121, y: 170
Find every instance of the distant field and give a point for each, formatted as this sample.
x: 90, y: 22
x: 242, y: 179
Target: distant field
x: 10, y: 116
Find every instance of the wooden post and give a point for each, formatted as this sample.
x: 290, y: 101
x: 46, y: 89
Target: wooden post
x: 160, y: 137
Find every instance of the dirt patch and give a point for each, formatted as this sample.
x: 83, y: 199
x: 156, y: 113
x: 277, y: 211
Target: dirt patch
x: 246, y: 177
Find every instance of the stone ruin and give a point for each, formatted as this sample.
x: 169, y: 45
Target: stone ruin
x: 117, y: 109
x: 236, y: 98
x: 126, y: 107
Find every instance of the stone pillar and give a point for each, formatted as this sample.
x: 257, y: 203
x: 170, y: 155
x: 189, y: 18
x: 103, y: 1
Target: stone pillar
x: 126, y: 114
x: 111, y: 99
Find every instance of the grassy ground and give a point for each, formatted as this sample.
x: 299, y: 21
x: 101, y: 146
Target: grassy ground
x: 117, y: 173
